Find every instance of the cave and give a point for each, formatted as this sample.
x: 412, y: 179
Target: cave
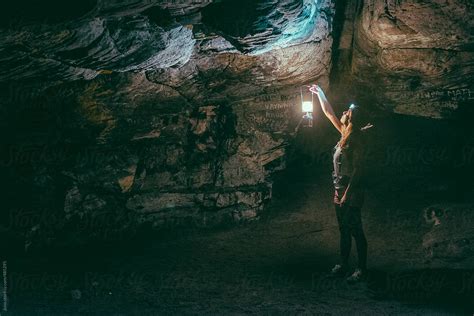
x: 156, y: 158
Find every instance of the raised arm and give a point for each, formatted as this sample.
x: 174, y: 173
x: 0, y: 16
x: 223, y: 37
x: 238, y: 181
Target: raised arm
x: 326, y: 107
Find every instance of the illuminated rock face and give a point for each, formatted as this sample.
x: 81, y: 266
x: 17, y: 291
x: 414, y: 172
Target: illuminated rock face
x: 260, y: 26
x: 142, y: 36
x: 402, y: 56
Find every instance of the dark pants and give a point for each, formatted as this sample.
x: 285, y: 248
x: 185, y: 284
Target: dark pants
x: 350, y: 225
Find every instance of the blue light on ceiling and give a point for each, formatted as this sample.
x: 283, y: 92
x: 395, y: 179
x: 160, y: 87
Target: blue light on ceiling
x: 296, y: 31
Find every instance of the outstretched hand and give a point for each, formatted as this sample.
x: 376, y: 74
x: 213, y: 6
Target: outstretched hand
x: 314, y: 88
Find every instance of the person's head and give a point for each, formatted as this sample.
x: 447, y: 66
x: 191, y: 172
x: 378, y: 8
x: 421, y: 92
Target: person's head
x: 346, y: 117
x: 353, y: 119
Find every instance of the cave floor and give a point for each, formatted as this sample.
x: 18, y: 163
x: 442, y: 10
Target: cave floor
x: 276, y: 265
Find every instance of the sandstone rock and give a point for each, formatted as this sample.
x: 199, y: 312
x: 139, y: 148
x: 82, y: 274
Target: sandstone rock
x: 127, y: 181
x: 156, y: 202
x: 259, y: 26
x: 226, y: 199
x: 252, y: 199
x: 72, y: 200
x: 240, y: 171
x: 410, y: 54
x: 164, y: 181
x: 201, y: 176
x: 92, y: 203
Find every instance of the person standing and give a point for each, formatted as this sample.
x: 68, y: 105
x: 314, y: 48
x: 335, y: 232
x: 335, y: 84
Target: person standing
x: 349, y: 192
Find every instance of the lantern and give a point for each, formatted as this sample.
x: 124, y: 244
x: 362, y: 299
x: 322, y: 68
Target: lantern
x: 307, y: 108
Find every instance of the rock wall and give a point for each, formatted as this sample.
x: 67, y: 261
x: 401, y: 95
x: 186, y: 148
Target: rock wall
x: 124, y: 36
x: 161, y: 113
x: 175, y: 113
x: 103, y: 161
x: 409, y: 57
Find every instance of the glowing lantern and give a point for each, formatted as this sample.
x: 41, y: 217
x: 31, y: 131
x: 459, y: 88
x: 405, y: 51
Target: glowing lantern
x: 307, y: 108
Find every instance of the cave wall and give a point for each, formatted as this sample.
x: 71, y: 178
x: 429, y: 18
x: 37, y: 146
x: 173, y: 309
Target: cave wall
x: 408, y: 57
x: 97, y: 161
x: 124, y: 36
x: 121, y: 114
x: 116, y: 114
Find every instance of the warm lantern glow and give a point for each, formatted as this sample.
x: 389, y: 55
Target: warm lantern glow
x: 307, y: 109
x: 307, y: 106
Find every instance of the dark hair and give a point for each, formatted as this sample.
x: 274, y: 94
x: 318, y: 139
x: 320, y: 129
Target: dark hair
x: 359, y: 119
x: 353, y: 132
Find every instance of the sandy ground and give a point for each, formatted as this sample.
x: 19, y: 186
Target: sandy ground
x: 274, y: 266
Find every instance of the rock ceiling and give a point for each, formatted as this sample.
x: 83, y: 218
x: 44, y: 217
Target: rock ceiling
x: 410, y: 57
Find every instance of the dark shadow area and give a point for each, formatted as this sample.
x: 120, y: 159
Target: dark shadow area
x: 449, y: 289
x: 235, y: 18
x: 23, y: 12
